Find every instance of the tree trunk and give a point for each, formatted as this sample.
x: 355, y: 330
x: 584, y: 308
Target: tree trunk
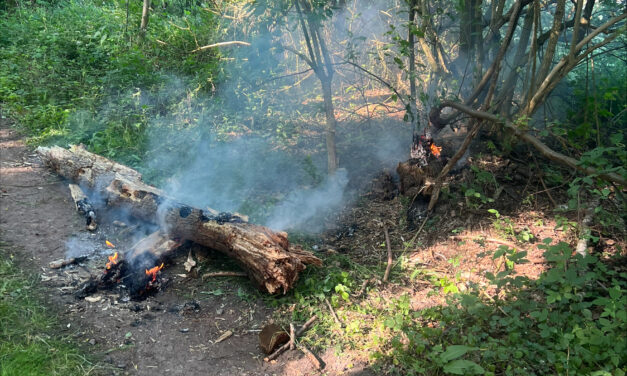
x: 327, y: 93
x: 413, y: 93
x: 265, y: 255
x: 145, y: 15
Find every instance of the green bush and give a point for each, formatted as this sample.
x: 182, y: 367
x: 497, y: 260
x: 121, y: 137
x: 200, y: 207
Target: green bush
x: 571, y: 320
x: 71, y: 72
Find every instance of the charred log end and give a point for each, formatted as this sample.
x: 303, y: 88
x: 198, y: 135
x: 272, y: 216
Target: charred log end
x: 139, y: 195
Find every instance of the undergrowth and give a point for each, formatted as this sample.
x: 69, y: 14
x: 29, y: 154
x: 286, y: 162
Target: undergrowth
x: 76, y: 72
x: 571, y: 320
x: 29, y: 343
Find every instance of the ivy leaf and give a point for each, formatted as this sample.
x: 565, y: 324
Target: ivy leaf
x: 463, y: 367
x: 454, y: 352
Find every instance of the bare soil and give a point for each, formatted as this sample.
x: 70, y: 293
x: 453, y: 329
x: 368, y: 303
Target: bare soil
x: 174, y: 331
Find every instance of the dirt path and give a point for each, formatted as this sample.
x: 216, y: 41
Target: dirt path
x: 172, y: 332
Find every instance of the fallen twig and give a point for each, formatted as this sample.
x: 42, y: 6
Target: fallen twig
x: 286, y: 346
x: 292, y: 336
x: 390, y: 259
x: 491, y: 240
x: 337, y: 319
x: 221, y: 44
x: 224, y: 274
x: 61, y: 263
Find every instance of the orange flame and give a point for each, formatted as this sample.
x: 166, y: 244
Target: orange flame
x: 435, y: 150
x: 153, y: 272
x: 109, y: 244
x: 112, y: 260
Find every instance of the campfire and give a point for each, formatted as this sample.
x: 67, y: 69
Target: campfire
x: 267, y: 257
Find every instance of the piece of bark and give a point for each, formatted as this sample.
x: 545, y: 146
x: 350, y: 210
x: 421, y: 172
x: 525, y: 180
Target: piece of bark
x: 84, y: 206
x: 285, y: 347
x: 271, y: 337
x: 265, y: 255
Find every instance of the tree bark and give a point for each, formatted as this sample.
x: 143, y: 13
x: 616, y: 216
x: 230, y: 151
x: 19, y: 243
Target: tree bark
x: 265, y: 255
x: 329, y: 110
x: 145, y: 15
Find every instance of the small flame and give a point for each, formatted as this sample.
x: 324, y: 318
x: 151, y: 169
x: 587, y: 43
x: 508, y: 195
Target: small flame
x: 435, y: 150
x: 153, y: 272
x: 109, y: 244
x: 112, y: 261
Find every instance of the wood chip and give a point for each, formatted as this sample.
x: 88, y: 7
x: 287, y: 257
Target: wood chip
x: 224, y: 336
x: 190, y: 263
x: 93, y: 299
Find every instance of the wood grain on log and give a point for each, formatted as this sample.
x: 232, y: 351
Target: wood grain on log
x: 264, y: 254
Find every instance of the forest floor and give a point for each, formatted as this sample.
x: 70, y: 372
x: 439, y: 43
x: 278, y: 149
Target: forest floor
x: 177, y: 331
x: 174, y: 332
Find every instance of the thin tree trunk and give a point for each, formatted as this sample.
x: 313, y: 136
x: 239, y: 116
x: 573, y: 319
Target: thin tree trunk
x: 412, y: 64
x: 327, y: 94
x: 145, y: 15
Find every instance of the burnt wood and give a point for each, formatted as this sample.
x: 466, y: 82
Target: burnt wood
x: 268, y: 258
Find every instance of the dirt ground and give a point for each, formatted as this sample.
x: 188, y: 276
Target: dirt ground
x: 175, y: 331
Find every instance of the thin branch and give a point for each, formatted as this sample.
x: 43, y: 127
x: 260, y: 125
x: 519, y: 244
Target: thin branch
x: 390, y: 257
x: 378, y: 78
x: 536, y: 143
x: 221, y: 44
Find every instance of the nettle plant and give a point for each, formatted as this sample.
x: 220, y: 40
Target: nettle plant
x: 571, y: 320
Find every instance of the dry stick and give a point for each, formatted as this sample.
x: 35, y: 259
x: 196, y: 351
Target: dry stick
x: 286, y: 346
x: 221, y: 44
x: 292, y: 336
x: 491, y: 240
x: 390, y: 260
x: 337, y: 319
x: 312, y: 357
x: 542, y: 182
x: 582, y: 244
x: 224, y: 274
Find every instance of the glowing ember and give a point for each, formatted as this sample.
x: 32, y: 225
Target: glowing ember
x: 109, y: 244
x: 435, y: 150
x: 112, y: 261
x: 153, y: 272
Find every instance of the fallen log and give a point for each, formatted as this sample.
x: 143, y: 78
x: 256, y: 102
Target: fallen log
x: 265, y: 255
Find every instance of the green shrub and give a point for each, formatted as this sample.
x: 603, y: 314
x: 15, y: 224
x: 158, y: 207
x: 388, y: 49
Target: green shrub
x: 571, y: 320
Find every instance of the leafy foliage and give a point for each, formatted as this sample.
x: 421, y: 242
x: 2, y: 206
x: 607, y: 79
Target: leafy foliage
x: 570, y: 320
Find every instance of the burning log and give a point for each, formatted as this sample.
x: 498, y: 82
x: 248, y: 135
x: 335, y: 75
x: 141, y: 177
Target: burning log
x: 84, y: 206
x: 137, y: 269
x: 265, y: 255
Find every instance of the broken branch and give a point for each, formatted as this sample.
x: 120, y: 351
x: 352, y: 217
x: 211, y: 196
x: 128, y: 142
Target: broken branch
x: 390, y: 258
x: 221, y: 44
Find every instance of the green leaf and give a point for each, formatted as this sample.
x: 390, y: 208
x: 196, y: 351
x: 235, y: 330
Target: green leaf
x: 454, y: 352
x: 463, y: 367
